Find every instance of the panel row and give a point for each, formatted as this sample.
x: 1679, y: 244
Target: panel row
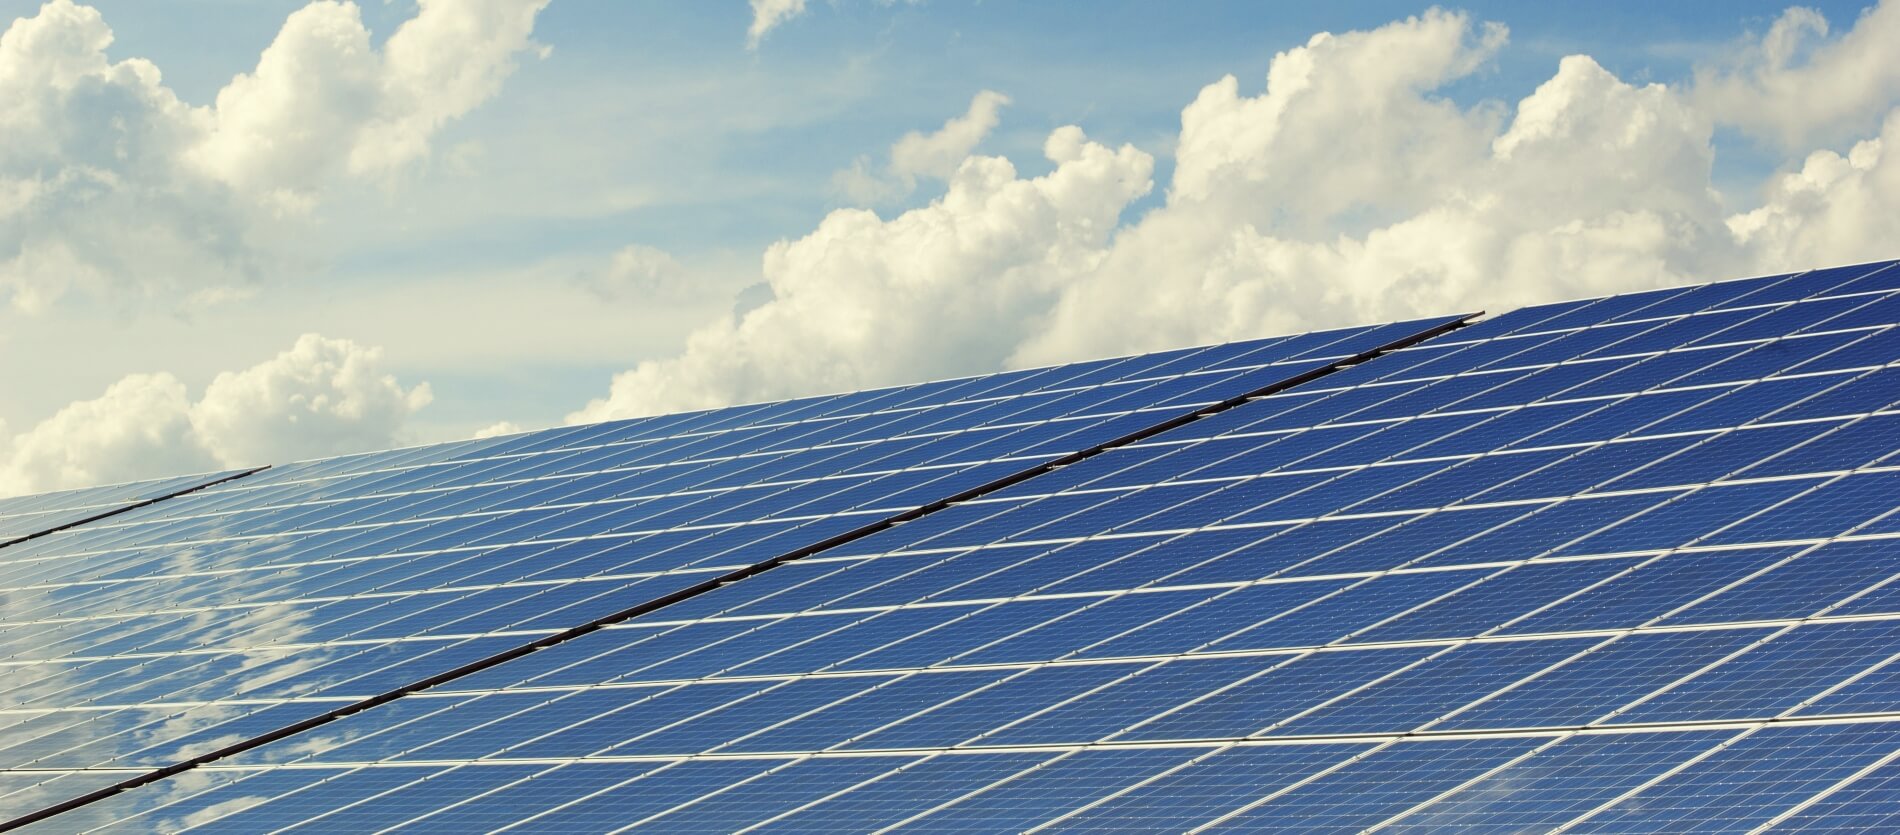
x: 31, y: 515
x: 1827, y: 777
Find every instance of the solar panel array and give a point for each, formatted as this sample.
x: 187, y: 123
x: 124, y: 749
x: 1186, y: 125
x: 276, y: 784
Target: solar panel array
x: 27, y: 517
x: 1614, y: 564
x: 169, y: 631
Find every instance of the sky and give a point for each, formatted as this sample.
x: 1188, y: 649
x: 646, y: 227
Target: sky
x: 236, y: 232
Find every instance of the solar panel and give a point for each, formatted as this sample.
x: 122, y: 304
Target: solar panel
x: 1623, y: 563
x: 173, y: 630
x: 27, y: 517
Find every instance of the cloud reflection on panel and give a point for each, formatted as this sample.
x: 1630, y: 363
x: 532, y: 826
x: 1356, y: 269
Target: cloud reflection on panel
x: 165, y: 651
x: 144, y: 706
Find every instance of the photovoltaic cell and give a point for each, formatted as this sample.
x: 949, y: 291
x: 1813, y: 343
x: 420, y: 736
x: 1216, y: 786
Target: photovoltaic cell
x: 1623, y: 563
x: 23, y: 517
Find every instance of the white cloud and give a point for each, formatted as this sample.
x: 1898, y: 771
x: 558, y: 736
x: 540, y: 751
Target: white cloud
x: 1596, y: 186
x: 640, y: 272
x: 320, y: 397
x: 770, y: 14
x: 322, y: 101
x: 1347, y: 123
x: 767, y: 15
x: 452, y: 57
x: 1835, y: 208
x: 936, y: 290
x: 935, y: 155
x: 1348, y: 190
x: 95, y: 195
x: 135, y: 429
x: 938, y: 154
x: 1793, y: 86
x: 111, y: 185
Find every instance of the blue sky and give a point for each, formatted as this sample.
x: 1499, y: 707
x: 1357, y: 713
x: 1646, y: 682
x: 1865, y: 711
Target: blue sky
x: 485, y: 260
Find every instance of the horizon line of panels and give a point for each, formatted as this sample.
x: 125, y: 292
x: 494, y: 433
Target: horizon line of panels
x: 694, y: 428
x: 485, y: 448
x: 125, y: 601
x: 1209, y: 473
x: 38, y: 513
x: 404, y: 478
x: 1824, y: 341
x: 1783, y: 590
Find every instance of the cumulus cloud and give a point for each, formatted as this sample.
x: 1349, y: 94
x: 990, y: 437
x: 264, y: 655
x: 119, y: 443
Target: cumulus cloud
x: 323, y: 101
x: 1347, y: 124
x: 130, y: 431
x: 863, y: 301
x: 111, y: 185
x: 1835, y: 208
x: 321, y: 397
x: 935, y: 155
x: 1347, y: 190
x: 92, y: 189
x: 1795, y: 87
x: 767, y: 15
x: 1596, y: 186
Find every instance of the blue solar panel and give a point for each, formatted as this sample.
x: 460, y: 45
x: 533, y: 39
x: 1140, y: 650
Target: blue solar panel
x: 171, y: 630
x: 25, y: 517
x: 1612, y: 564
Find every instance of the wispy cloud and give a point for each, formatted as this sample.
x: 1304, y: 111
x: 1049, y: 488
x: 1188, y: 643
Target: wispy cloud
x: 767, y: 15
x: 933, y: 155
